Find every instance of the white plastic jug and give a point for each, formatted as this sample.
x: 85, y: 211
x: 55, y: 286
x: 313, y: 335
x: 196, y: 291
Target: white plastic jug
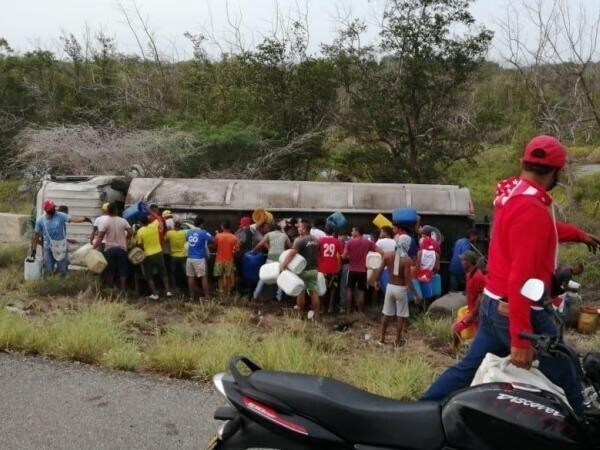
x: 32, y: 269
x: 290, y: 283
x: 296, y: 265
x: 95, y: 261
x: 373, y: 260
x: 269, y: 273
x: 78, y: 256
x: 321, y: 284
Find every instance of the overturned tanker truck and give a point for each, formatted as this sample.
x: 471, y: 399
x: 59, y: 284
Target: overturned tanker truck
x: 446, y: 207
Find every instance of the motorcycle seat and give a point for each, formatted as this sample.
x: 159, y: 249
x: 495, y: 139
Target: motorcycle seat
x: 354, y: 415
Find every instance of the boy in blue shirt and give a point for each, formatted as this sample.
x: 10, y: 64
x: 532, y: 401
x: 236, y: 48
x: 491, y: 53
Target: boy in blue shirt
x: 457, y: 272
x: 195, y: 267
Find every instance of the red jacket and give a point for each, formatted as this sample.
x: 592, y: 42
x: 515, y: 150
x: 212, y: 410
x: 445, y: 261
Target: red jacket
x: 523, y: 245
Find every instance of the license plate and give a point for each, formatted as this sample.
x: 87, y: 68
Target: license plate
x: 212, y: 445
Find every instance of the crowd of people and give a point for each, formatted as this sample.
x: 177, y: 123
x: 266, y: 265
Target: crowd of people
x: 181, y: 257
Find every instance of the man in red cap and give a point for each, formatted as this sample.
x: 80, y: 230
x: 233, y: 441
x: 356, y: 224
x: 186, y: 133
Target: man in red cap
x: 51, y: 233
x: 524, y: 245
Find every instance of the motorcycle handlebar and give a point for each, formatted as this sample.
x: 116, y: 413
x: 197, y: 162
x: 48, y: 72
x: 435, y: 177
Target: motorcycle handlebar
x: 529, y: 336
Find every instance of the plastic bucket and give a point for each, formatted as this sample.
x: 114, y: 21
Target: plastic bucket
x: 296, y: 265
x: 338, y: 220
x: 261, y: 215
x: 471, y: 330
x: 95, y: 261
x: 135, y: 211
x: 417, y: 287
x: 588, y: 319
x: 373, y: 260
x: 404, y: 216
x: 290, y: 283
x: 32, y: 269
x: 251, y: 264
x: 381, y: 221
x: 136, y: 256
x: 268, y: 273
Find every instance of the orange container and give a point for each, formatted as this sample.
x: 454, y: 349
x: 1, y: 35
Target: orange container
x: 471, y: 331
x: 381, y: 221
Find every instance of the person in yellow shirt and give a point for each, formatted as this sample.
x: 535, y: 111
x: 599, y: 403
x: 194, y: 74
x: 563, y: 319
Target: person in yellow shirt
x: 148, y: 238
x: 176, y: 239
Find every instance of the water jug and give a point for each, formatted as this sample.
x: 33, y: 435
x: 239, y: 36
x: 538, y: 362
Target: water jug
x: 588, y: 319
x: 78, y: 256
x: 136, y: 256
x: 381, y: 221
x: 133, y: 213
x: 384, y: 279
x: 95, y: 261
x: 437, y: 285
x: 261, y: 215
x: 32, y: 269
x: 269, y: 273
x: 296, y: 265
x: 321, y: 284
x: 404, y: 216
x: 290, y: 283
x: 373, y: 260
x: 338, y: 220
x: 251, y: 264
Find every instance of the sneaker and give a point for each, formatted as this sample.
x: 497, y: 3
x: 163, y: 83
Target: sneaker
x: 154, y: 297
x: 169, y: 294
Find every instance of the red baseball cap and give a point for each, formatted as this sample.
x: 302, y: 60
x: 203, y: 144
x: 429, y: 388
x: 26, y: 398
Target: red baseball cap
x: 245, y: 222
x: 545, y: 150
x: 48, y: 205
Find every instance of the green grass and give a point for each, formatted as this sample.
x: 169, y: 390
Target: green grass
x: 578, y: 253
x: 434, y: 326
x: 74, y: 284
x: 12, y: 201
x: 12, y: 255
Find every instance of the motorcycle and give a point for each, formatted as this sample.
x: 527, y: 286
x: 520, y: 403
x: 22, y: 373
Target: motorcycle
x: 293, y: 411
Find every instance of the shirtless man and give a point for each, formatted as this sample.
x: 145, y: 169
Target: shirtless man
x: 399, y: 266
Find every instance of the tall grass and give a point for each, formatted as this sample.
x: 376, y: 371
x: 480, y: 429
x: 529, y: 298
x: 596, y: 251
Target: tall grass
x: 434, y: 326
x: 12, y: 255
x: 72, y: 285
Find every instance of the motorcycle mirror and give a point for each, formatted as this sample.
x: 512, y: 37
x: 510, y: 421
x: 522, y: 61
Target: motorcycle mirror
x: 533, y: 289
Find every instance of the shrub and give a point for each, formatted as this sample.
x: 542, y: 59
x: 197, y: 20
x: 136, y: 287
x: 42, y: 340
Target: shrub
x: 12, y: 255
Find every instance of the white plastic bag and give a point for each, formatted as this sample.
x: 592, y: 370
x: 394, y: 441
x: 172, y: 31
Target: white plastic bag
x: 495, y: 369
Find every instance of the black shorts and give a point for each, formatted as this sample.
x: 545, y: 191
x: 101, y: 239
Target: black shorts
x: 357, y: 280
x: 154, y: 265
x: 118, y: 263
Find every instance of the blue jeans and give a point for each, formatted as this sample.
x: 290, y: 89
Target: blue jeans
x: 493, y: 337
x: 50, y: 263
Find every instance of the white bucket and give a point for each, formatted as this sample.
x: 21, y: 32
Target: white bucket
x: 373, y: 260
x: 290, y: 283
x: 95, y: 261
x: 269, y: 273
x: 296, y: 265
x: 321, y: 284
x: 32, y: 269
x: 78, y: 256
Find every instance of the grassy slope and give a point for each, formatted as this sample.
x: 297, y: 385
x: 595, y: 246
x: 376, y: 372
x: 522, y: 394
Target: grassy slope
x: 12, y: 201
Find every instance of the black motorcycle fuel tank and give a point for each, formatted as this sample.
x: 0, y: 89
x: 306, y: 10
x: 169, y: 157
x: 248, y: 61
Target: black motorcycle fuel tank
x: 500, y: 416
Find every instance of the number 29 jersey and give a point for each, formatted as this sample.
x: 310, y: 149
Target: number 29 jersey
x: 329, y: 250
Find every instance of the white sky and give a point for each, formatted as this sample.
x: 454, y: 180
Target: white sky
x: 28, y: 24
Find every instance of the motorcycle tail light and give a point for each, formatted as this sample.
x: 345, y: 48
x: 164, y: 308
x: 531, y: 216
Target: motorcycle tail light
x: 271, y: 414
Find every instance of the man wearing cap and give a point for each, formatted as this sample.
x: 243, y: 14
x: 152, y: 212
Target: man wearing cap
x: 524, y: 245
x: 51, y: 233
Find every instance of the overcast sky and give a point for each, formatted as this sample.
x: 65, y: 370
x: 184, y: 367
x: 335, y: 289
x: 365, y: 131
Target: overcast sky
x: 28, y: 24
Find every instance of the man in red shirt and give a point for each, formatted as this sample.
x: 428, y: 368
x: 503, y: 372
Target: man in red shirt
x: 524, y: 245
x: 330, y: 262
x: 356, y: 253
x: 475, y: 283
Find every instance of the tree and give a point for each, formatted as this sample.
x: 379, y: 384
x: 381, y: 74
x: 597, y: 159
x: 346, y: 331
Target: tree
x: 403, y: 94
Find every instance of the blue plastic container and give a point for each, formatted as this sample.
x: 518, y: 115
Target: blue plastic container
x: 417, y: 287
x: 426, y: 289
x: 402, y: 216
x: 437, y: 285
x: 384, y: 279
x: 251, y: 264
x: 338, y: 220
x: 133, y: 213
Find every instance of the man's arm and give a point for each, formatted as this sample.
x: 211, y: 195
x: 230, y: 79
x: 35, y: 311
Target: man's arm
x: 261, y: 244
x: 79, y: 219
x: 408, y: 276
x: 571, y: 233
x: 96, y: 242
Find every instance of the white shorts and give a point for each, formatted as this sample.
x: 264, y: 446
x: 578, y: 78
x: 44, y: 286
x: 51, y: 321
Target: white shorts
x: 396, y: 301
x: 195, y: 268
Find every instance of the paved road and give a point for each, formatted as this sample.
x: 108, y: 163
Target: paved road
x: 46, y: 404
